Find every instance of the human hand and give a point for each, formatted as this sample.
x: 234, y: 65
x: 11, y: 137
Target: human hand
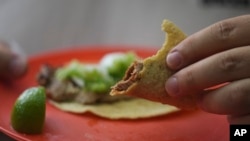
x: 13, y: 64
x: 215, y: 55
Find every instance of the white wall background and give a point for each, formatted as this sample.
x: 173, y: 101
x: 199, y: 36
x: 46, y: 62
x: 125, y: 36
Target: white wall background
x: 39, y: 25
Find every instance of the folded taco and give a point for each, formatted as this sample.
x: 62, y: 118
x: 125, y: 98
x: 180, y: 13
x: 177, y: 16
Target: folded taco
x: 146, y: 78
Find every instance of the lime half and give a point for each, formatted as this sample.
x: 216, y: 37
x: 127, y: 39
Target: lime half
x: 28, y: 113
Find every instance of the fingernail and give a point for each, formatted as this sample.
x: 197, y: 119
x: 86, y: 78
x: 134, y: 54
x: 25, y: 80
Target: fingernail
x: 17, y: 66
x: 174, y: 60
x: 172, y: 86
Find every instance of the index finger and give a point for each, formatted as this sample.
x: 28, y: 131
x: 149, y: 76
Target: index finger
x: 224, y: 35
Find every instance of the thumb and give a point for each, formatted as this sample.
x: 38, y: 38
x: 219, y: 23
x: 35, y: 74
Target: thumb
x: 12, y: 63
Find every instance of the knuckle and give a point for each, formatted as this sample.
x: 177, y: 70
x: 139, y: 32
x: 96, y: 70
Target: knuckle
x: 189, y: 48
x: 222, y: 30
x: 238, y: 96
x: 189, y: 79
x: 228, y: 63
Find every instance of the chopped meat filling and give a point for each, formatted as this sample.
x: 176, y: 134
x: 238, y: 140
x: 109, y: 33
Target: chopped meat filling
x: 131, y: 76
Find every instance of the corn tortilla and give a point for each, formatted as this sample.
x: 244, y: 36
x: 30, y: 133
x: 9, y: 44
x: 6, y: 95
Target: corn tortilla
x: 124, y: 109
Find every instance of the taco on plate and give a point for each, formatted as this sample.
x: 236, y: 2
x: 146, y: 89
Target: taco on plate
x: 81, y: 87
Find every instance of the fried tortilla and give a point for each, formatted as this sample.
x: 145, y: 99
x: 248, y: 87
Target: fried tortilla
x: 146, y: 78
x: 123, y: 109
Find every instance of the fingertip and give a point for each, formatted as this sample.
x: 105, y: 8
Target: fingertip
x: 174, y: 60
x: 13, y: 61
x: 172, y: 87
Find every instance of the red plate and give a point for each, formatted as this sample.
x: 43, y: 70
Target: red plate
x: 180, y: 126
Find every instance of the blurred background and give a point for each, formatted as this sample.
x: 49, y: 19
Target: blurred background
x: 40, y: 25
